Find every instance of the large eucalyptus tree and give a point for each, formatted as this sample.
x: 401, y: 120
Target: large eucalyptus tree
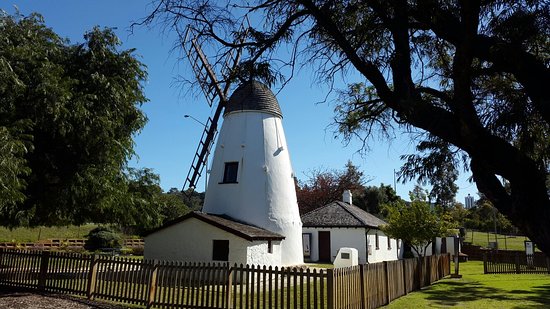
x: 470, y: 75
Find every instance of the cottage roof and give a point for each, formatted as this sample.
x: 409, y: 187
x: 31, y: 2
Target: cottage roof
x: 253, y: 96
x: 243, y: 230
x: 340, y: 214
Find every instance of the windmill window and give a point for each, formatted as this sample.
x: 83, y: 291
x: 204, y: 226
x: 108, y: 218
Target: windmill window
x: 389, y: 243
x: 230, y: 172
x: 377, y: 241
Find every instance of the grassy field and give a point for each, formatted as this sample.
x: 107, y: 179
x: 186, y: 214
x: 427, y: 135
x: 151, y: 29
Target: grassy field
x: 504, y: 242
x: 476, y: 290
x: 41, y: 233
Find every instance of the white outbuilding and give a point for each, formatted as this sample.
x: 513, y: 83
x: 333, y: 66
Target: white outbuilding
x: 341, y: 224
x: 200, y: 237
x: 251, y: 180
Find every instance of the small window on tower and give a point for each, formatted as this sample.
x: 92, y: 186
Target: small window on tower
x: 230, y: 172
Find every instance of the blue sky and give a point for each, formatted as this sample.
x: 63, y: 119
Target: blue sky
x: 168, y: 142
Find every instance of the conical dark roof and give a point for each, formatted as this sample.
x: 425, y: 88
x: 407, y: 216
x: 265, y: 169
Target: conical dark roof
x: 253, y: 96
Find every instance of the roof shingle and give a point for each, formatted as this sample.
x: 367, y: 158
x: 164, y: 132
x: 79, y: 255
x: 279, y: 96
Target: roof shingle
x: 243, y: 230
x: 340, y: 214
x: 254, y: 96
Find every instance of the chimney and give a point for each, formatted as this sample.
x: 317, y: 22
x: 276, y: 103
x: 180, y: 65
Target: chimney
x: 346, y: 198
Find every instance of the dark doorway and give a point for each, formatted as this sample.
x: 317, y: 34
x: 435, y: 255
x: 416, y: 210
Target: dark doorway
x: 324, y: 246
x: 443, y: 245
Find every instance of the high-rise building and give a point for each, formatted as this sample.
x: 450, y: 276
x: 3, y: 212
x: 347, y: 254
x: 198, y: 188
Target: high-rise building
x: 469, y: 201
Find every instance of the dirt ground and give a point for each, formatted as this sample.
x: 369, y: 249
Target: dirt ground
x: 12, y: 299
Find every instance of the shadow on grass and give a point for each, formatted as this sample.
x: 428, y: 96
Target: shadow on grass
x: 451, y: 293
x: 538, y: 294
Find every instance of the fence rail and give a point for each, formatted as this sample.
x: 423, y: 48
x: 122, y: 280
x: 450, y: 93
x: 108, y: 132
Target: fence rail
x: 58, y: 243
x: 206, y: 285
x: 515, y: 263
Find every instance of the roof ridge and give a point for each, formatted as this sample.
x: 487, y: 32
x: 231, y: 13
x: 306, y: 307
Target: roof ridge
x: 344, y: 205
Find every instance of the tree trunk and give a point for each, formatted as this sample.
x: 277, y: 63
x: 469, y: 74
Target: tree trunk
x: 526, y: 203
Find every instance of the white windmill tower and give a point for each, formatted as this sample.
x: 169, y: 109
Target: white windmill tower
x: 251, y: 178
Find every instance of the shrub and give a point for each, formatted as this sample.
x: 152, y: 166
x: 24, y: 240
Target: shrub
x: 102, y: 238
x: 137, y: 250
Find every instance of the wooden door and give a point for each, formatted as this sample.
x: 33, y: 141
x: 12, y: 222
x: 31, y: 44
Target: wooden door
x: 324, y: 246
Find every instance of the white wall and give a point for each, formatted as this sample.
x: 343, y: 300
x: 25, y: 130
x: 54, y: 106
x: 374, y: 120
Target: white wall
x: 354, y: 238
x: 265, y: 195
x: 450, y: 247
x: 191, y: 241
x: 257, y: 253
x: 383, y: 252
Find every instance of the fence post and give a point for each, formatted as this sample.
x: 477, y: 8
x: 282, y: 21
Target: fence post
x: 403, y: 262
x: 485, y: 263
x: 387, y: 282
x: 92, y: 275
x: 330, y: 289
x: 44, y: 260
x: 153, y: 284
x: 229, y: 286
x: 518, y: 270
x: 547, y: 264
x: 362, y: 285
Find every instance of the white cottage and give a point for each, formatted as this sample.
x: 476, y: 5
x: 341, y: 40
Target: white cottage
x: 201, y: 237
x: 341, y: 224
x: 251, y: 182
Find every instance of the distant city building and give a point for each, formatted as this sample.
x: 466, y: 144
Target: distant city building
x: 469, y: 201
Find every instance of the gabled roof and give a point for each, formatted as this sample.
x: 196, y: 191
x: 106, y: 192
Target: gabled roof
x: 340, y: 214
x: 243, y: 230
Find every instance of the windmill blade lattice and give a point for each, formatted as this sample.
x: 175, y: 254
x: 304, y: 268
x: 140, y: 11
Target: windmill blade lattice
x: 213, y: 92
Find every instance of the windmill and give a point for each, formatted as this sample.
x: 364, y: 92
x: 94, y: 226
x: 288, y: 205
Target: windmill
x: 251, y: 173
x: 216, y: 92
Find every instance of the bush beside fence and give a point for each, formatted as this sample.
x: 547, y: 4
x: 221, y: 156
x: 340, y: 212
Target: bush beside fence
x: 203, y: 285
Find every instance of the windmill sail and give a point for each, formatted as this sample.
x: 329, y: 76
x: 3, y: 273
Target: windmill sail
x: 213, y: 92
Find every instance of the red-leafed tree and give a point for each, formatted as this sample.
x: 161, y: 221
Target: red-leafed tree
x: 325, y: 186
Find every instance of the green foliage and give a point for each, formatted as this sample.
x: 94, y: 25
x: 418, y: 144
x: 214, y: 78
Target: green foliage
x: 28, y: 234
x: 67, y: 116
x: 102, y: 238
x: 372, y: 198
x: 191, y: 198
x: 485, y: 217
x: 417, y: 223
x: 436, y: 167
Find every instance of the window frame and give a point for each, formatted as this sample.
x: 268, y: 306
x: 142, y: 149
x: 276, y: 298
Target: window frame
x: 232, y: 166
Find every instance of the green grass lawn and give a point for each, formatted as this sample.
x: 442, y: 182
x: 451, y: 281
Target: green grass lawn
x: 42, y: 233
x: 504, y: 242
x: 476, y: 290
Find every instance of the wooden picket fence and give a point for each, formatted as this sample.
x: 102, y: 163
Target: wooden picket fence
x: 502, y: 262
x: 206, y: 285
x: 375, y: 285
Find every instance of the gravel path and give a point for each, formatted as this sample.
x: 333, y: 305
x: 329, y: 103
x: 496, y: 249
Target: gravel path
x: 23, y: 300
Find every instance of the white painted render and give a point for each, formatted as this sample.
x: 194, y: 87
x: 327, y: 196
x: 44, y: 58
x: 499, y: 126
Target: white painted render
x: 383, y: 252
x: 264, y: 195
x: 355, y: 238
x: 450, y: 246
x: 192, y: 241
